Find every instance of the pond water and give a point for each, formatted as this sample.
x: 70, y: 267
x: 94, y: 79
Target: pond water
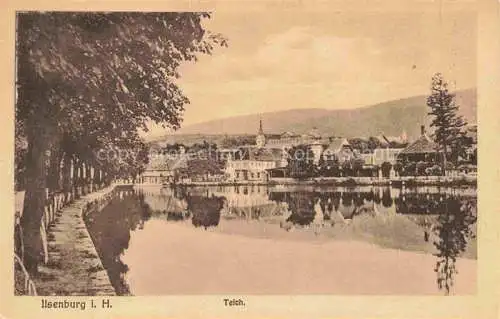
x: 184, y: 235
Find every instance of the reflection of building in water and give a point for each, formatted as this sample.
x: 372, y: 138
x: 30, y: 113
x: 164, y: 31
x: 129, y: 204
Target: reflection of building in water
x: 254, y: 201
x: 162, y: 199
x: 319, y: 217
x: 385, y: 199
x: 246, y: 196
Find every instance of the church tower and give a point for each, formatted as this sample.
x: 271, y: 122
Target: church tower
x: 261, y: 138
x: 404, y: 137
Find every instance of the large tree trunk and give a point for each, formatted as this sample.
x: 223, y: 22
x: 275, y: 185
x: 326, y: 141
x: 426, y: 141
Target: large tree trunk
x: 67, y: 166
x: 444, y: 160
x: 76, y: 177
x: 81, y: 181
x: 35, y: 199
x: 95, y: 178
x: 105, y: 178
x: 54, y: 175
x: 87, y: 177
x: 83, y: 178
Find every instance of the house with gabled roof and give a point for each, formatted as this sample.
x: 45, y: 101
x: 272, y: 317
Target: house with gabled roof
x: 471, y: 151
x: 161, y: 168
x: 253, y: 163
x: 423, y: 149
x: 340, y: 149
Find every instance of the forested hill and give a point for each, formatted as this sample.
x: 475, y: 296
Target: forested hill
x: 390, y: 118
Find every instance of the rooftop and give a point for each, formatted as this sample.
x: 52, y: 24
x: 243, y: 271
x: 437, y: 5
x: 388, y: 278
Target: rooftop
x: 423, y: 144
x: 337, y: 143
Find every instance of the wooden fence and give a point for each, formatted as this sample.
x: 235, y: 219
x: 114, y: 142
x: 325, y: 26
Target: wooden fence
x: 22, y: 281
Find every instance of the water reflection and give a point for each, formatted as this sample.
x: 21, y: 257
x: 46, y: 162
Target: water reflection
x: 111, y: 229
x: 414, y: 219
x: 454, y: 228
x: 205, y: 210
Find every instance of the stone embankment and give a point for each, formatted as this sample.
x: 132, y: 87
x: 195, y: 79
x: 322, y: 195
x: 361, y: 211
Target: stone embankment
x: 350, y: 181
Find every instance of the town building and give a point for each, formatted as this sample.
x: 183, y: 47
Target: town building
x: 471, y: 151
x: 423, y: 149
x: 338, y: 149
x: 389, y: 141
x: 383, y: 155
x: 287, y: 140
x: 317, y: 149
x: 156, y: 174
x: 253, y: 164
x: 163, y: 168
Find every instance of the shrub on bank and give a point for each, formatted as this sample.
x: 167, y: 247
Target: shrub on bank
x: 420, y: 168
x: 434, y: 170
x: 398, y: 167
x: 386, y: 169
x: 408, y: 169
x: 349, y: 182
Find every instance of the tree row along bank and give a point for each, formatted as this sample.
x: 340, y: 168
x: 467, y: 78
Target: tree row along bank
x: 72, y: 265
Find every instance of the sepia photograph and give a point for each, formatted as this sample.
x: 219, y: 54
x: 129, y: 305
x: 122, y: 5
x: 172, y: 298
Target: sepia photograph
x: 245, y: 152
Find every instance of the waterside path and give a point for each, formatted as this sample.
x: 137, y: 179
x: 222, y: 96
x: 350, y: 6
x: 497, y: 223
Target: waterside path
x: 74, y: 267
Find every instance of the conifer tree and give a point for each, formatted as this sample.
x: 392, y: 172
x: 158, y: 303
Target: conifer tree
x: 449, y: 133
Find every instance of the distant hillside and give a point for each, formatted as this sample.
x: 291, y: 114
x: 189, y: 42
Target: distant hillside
x: 390, y: 118
x: 190, y: 139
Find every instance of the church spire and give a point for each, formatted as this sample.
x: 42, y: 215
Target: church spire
x: 261, y: 131
x: 261, y: 138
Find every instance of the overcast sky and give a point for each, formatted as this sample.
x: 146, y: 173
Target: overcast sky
x: 310, y: 57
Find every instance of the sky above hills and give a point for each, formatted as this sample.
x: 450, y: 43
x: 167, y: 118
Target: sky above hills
x: 332, y: 57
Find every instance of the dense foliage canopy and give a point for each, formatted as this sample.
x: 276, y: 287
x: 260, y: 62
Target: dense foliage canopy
x: 86, y: 83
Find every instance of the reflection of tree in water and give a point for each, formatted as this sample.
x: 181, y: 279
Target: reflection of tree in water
x: 347, y: 199
x: 110, y: 231
x: 419, y: 203
x: 376, y: 197
x: 453, y: 230
x: 358, y: 199
x: 326, y: 205
x: 329, y: 202
x: 369, y: 196
x: 179, y: 192
x: 279, y: 196
x: 205, y: 210
x: 301, y: 205
x: 336, y: 200
x: 146, y: 211
x: 386, y: 198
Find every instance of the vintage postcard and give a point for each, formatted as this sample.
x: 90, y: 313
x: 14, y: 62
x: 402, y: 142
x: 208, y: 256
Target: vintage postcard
x: 278, y: 158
